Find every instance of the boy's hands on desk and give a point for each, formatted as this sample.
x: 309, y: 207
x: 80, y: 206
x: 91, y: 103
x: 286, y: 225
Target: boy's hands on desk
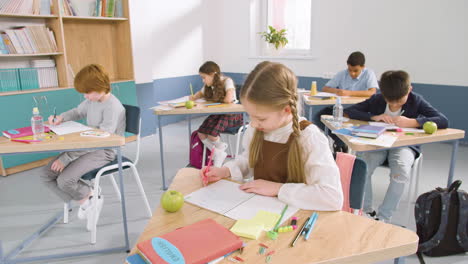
x: 384, y: 118
x: 342, y: 92
x: 215, y: 174
x: 403, y: 121
x: 55, y: 121
x: 262, y: 187
x: 57, y: 166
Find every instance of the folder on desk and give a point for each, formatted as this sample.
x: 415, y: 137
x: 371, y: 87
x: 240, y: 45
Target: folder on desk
x: 197, y: 243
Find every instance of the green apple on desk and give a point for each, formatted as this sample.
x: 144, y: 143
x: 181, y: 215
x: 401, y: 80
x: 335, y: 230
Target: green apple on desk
x: 430, y: 127
x: 172, y: 201
x: 189, y: 104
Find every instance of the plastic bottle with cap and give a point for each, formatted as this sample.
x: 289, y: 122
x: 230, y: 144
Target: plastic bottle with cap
x: 37, y: 124
x: 313, y: 88
x: 338, y: 112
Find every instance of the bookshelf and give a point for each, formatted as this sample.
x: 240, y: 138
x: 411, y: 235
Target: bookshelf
x: 81, y: 40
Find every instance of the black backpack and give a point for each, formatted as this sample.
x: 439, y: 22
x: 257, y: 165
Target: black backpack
x: 442, y: 221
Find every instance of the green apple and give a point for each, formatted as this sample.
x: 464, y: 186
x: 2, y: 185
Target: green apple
x: 172, y: 201
x: 189, y: 104
x: 430, y: 127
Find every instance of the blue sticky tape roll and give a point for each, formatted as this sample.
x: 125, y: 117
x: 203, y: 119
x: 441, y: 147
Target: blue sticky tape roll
x: 167, y: 251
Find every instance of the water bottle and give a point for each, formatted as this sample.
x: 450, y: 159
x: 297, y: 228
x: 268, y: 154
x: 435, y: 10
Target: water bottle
x: 37, y: 124
x: 338, y: 112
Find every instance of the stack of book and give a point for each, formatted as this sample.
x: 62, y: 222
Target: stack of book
x: 97, y: 8
x: 47, y: 72
x: 41, y: 74
x: 32, y: 7
x: 28, y: 40
x: 368, y: 131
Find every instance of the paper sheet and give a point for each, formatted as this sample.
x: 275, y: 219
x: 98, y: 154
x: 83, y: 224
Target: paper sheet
x: 382, y: 141
x: 226, y: 198
x: 69, y: 127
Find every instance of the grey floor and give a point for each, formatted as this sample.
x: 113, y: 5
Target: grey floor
x: 25, y: 203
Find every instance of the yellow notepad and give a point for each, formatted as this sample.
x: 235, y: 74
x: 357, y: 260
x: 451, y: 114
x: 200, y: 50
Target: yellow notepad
x: 251, y: 228
x: 246, y: 228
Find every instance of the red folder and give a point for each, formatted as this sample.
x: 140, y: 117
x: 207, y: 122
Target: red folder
x: 197, y: 243
x: 21, y: 132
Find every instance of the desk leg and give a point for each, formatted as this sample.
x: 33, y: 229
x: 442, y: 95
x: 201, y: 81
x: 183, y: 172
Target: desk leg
x: 189, y: 132
x: 122, y: 196
x: 400, y: 260
x: 452, y: 162
x: 161, y: 153
x: 310, y: 113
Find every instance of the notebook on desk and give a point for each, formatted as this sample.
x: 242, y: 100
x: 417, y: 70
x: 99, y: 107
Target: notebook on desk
x: 198, y: 243
x: 368, y: 131
x: 225, y: 197
x: 21, y: 132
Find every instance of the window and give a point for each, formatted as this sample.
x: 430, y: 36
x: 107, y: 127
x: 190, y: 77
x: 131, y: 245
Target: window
x: 296, y: 16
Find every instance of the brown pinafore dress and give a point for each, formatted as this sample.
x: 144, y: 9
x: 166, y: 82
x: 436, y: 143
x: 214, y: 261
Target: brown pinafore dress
x: 273, y: 167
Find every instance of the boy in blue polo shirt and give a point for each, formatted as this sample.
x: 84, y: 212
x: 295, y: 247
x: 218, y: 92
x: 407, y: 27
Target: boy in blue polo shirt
x: 396, y: 104
x: 357, y: 80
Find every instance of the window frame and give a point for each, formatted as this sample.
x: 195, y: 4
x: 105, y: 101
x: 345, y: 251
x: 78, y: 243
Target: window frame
x: 259, y: 23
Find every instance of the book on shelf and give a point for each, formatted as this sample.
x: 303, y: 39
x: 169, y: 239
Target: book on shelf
x: 90, y: 8
x: 29, y: 40
x: 198, y: 243
x: 9, y: 80
x: 368, y: 131
x: 27, y: 7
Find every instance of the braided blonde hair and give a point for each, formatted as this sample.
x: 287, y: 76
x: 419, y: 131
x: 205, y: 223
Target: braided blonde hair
x: 275, y: 86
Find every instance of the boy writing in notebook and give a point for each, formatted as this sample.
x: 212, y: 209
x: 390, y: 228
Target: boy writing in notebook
x: 287, y: 156
x: 102, y: 110
x: 396, y: 104
x: 356, y: 80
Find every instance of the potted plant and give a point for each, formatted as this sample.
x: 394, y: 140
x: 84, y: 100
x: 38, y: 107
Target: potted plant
x: 275, y: 38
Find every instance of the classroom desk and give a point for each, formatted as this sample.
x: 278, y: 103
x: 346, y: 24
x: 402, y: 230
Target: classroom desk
x: 441, y: 135
x: 310, y: 101
x: 63, y: 143
x: 338, y: 237
x: 199, y: 109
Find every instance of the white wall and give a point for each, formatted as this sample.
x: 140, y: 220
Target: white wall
x: 167, y: 38
x: 427, y: 38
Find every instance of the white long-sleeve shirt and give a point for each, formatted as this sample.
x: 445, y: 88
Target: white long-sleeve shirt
x: 322, y: 190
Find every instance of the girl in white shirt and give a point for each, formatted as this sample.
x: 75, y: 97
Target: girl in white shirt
x: 286, y: 155
x: 217, y: 88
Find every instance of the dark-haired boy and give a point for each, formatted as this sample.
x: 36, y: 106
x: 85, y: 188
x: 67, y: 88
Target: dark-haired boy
x: 396, y: 104
x: 356, y: 80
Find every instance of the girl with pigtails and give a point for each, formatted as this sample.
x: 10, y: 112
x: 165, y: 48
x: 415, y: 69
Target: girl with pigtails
x: 284, y: 156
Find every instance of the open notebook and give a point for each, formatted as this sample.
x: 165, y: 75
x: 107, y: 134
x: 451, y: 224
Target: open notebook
x: 225, y: 197
x: 69, y: 127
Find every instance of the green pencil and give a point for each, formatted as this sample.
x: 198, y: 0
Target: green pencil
x: 191, y: 89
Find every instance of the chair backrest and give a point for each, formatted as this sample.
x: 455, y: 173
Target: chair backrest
x: 238, y: 90
x: 132, y: 116
x: 356, y: 183
x: 133, y: 125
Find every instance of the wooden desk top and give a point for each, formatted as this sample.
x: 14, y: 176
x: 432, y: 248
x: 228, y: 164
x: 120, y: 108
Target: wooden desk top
x: 403, y: 139
x: 201, y: 109
x: 344, y: 100
x: 338, y: 237
x: 69, y: 141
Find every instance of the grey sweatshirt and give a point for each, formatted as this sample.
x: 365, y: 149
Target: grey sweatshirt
x: 108, y: 116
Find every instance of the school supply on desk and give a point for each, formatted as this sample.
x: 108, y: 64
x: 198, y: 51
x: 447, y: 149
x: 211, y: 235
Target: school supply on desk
x: 252, y: 228
x: 134, y: 259
x: 21, y: 132
x: 216, y: 105
x: 368, y: 131
x: 197, y: 243
x: 306, y: 229
x: 382, y: 141
x: 69, y: 127
x: 95, y: 133
x: 225, y: 197
x: 321, y: 95
x: 273, y: 233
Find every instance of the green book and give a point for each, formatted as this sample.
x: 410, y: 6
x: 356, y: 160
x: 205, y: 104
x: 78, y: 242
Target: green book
x: 28, y: 78
x: 110, y: 8
x: 9, y: 80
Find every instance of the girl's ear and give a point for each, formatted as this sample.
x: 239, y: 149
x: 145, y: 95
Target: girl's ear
x: 287, y: 109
